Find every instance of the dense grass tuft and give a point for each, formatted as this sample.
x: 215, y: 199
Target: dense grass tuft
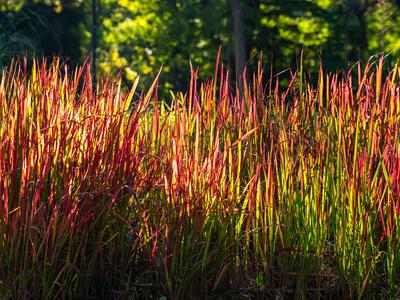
x: 279, y: 193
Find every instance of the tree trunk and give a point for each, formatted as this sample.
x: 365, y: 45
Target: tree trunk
x: 94, y: 42
x: 357, y: 36
x: 239, y: 40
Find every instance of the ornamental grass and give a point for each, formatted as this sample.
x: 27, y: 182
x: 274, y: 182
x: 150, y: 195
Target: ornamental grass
x: 266, y: 192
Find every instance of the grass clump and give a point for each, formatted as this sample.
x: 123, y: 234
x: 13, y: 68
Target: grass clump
x: 266, y: 193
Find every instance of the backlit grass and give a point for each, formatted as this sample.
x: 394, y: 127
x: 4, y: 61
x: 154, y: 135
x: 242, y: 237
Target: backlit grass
x: 108, y: 193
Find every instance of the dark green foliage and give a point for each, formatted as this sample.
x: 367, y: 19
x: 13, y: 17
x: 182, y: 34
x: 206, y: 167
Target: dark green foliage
x: 42, y: 30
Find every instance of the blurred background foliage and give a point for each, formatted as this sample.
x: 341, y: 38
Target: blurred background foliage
x: 138, y: 36
x: 42, y: 28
